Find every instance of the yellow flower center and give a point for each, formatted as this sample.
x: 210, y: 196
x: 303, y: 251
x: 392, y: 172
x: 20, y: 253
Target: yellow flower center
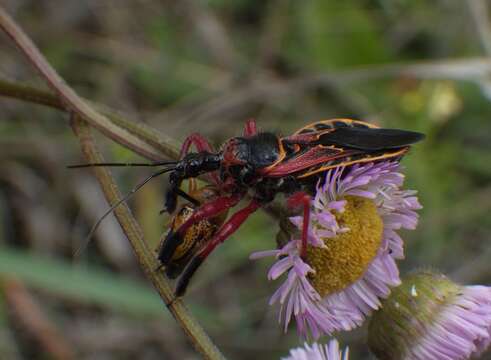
x: 347, y: 255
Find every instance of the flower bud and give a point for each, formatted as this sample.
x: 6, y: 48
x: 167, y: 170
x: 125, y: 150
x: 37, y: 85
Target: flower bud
x: 430, y: 317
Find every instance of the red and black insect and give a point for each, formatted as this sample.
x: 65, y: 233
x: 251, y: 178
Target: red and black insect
x: 263, y: 165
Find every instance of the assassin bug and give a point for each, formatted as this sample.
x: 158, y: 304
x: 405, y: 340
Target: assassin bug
x: 264, y: 164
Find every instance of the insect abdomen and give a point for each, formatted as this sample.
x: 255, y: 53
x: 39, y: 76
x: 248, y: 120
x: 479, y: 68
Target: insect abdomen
x: 194, y: 239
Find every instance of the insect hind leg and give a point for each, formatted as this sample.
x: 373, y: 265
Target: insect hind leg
x: 220, y: 236
x: 295, y: 201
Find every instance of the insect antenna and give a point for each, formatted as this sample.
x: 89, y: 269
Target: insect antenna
x: 157, y: 163
x: 111, y: 209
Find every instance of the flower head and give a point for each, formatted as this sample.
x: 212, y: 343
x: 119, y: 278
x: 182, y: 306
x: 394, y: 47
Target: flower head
x: 318, y: 352
x: 430, y: 317
x: 353, y: 245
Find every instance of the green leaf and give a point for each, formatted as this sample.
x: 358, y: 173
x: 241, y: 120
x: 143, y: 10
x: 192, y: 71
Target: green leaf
x: 81, y: 284
x: 94, y: 286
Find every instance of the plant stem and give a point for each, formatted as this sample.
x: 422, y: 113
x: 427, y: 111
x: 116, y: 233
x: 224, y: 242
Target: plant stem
x: 162, y: 144
x: 146, y: 259
x: 70, y: 100
x: 79, y: 110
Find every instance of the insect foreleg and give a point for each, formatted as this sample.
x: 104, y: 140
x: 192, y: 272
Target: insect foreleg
x: 199, y: 141
x: 222, y: 234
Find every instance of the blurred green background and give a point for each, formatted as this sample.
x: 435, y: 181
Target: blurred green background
x: 207, y: 66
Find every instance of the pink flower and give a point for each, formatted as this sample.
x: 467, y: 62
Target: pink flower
x: 350, y: 263
x: 318, y: 352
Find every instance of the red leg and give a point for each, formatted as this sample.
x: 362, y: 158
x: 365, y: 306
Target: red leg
x: 198, y: 140
x: 205, y: 211
x: 250, y: 128
x: 294, y: 201
x: 220, y: 236
x: 209, y: 210
x: 201, y: 144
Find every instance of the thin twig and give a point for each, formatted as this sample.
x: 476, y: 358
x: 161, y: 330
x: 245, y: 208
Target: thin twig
x: 146, y: 259
x: 466, y: 69
x: 81, y: 110
x: 68, y: 97
x: 162, y: 144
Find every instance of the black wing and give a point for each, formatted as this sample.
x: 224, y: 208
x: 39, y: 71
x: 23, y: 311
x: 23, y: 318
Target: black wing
x: 370, y: 139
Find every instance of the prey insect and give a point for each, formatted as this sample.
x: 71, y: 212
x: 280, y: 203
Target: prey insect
x: 196, y: 236
x: 262, y: 165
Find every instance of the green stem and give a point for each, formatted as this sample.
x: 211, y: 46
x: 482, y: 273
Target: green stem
x: 80, y: 109
x: 70, y: 100
x: 162, y: 144
x: 146, y: 259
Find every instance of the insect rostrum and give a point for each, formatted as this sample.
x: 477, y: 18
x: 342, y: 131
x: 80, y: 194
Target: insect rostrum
x: 264, y: 165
